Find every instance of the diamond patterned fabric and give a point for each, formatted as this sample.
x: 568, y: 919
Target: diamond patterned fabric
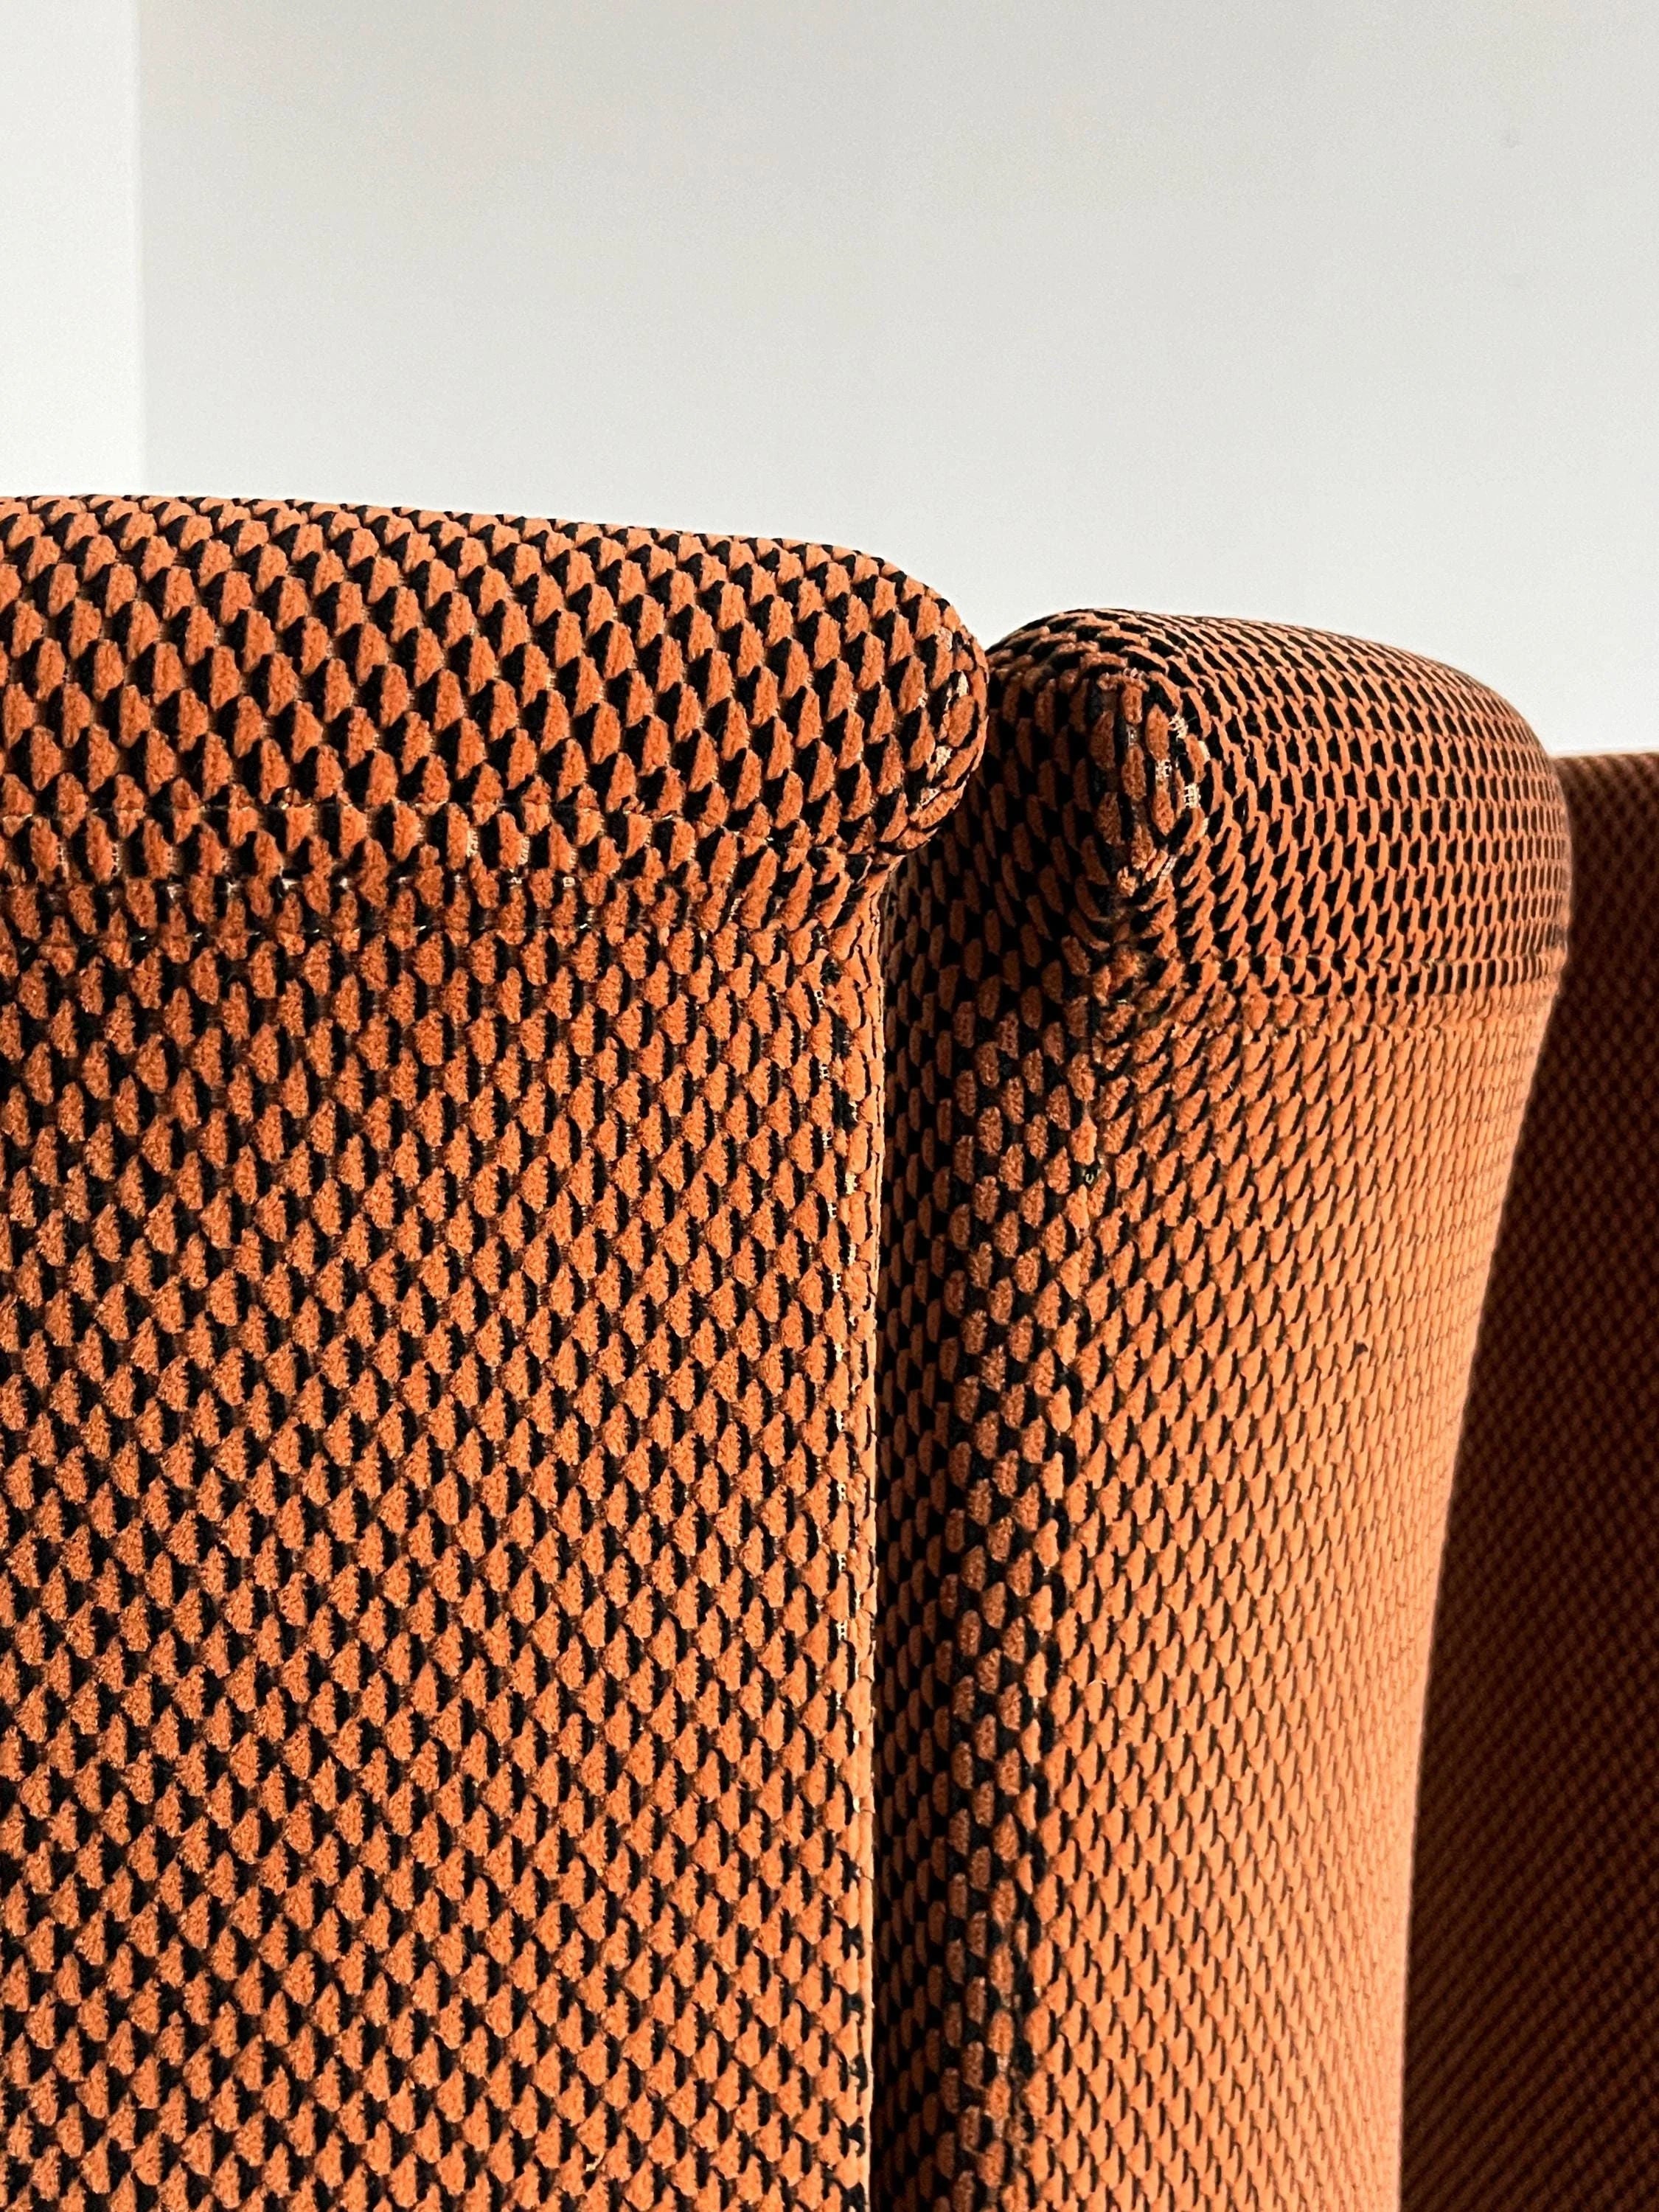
x: 1533, y: 2024
x: 1211, y: 1014
x: 440, y: 1105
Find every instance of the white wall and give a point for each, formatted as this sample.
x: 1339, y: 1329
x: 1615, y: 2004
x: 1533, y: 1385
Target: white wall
x: 1344, y: 314
x: 71, y: 415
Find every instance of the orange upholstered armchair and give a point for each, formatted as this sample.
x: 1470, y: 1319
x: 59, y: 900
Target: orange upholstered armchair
x: 1533, y: 2042
x: 1213, y: 1012
x: 440, y: 1123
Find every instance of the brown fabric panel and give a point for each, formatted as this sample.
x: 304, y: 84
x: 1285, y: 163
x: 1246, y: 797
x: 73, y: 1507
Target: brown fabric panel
x: 439, y: 1106
x: 1211, y: 1013
x: 1532, y: 2041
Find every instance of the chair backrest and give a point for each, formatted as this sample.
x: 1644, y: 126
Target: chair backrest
x: 439, y: 1116
x: 1533, y: 2037
x: 1212, y: 1013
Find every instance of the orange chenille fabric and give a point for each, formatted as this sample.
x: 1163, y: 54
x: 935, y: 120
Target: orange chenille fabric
x: 440, y: 1113
x: 1533, y: 2025
x: 1211, y: 1013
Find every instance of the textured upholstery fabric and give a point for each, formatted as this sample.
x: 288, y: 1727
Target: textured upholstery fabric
x: 1533, y: 2024
x: 1211, y: 1014
x: 440, y: 1103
